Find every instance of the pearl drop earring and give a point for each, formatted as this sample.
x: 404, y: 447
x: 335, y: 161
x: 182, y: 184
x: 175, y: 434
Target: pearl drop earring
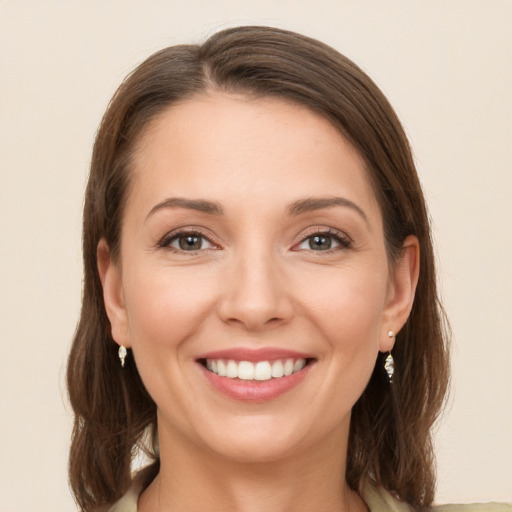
x: 122, y: 353
x: 389, y: 363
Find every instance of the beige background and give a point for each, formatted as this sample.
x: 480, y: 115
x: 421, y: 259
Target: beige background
x: 446, y: 67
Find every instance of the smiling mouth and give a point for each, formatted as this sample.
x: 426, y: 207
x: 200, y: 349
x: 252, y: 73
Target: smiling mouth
x: 255, y: 371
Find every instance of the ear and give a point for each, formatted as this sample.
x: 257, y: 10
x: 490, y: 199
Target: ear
x: 401, y: 289
x: 113, y: 294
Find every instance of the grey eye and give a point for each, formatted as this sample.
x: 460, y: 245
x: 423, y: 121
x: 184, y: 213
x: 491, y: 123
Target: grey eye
x: 320, y: 242
x: 190, y: 242
x: 323, y: 241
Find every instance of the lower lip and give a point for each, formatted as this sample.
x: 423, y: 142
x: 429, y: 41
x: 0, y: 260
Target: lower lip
x: 253, y: 390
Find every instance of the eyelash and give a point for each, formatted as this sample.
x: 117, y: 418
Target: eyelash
x: 175, y: 236
x: 340, y: 238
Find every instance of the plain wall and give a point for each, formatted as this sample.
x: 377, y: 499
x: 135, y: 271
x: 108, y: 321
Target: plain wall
x: 446, y: 68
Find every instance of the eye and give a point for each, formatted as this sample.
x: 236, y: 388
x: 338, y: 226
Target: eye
x: 324, y: 241
x: 187, y: 241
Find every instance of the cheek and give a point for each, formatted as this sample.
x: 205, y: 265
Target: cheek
x: 164, y: 308
x: 347, y: 306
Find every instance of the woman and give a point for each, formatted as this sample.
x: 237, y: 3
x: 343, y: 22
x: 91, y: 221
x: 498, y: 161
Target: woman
x: 260, y: 307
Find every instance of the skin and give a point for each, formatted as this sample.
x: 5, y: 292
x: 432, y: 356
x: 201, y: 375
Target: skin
x: 255, y: 282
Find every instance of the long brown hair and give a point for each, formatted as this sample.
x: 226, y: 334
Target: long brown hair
x: 390, y: 440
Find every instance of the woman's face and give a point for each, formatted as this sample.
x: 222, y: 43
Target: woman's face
x: 251, y: 238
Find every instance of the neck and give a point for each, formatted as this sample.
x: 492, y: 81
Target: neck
x: 194, y: 479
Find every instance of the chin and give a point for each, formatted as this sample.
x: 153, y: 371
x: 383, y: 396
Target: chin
x: 269, y: 438
x: 255, y: 447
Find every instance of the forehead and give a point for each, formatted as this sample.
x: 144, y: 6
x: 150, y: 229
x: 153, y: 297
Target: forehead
x: 226, y: 145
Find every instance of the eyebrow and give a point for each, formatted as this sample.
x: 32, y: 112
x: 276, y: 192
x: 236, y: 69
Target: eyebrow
x: 319, y: 203
x: 199, y: 205
x: 298, y: 207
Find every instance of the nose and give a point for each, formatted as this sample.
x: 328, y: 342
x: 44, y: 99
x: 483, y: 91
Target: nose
x: 256, y: 295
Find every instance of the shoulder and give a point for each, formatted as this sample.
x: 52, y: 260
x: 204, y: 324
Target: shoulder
x: 128, y: 503
x: 476, y: 507
x: 379, y: 500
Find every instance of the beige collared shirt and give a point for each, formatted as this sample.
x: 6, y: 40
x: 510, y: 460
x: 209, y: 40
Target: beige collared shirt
x: 378, y: 500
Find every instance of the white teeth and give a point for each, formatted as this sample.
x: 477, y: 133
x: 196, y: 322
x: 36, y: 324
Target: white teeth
x: 277, y: 369
x: 232, y: 370
x: 299, y: 364
x: 261, y: 371
x: 245, y: 370
x: 288, y: 367
x: 221, y: 368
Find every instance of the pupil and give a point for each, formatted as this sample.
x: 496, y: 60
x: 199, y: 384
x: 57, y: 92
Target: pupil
x: 320, y: 242
x: 190, y: 242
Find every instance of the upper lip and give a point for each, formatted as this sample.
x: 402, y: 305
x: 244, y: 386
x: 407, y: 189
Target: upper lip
x: 254, y: 354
